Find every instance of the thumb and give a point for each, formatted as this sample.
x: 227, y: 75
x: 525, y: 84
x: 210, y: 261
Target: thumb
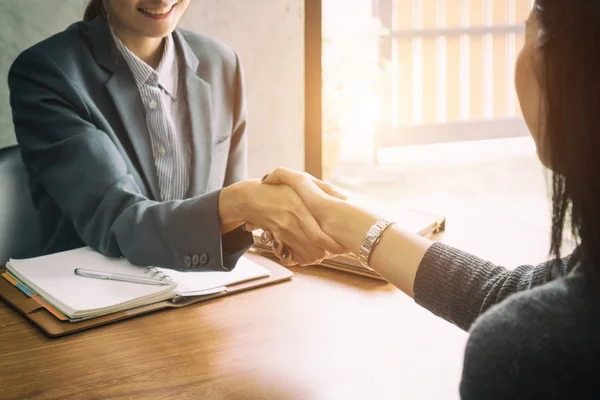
x: 248, y: 227
x: 284, y: 176
x: 330, y: 189
x: 302, y: 183
x: 299, y: 181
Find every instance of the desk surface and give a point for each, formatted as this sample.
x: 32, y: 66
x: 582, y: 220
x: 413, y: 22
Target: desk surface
x: 323, y: 335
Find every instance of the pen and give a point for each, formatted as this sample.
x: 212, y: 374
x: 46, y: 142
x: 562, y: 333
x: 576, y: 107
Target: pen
x: 119, y: 277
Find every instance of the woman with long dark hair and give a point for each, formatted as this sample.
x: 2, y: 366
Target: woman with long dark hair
x: 534, y: 331
x: 134, y: 136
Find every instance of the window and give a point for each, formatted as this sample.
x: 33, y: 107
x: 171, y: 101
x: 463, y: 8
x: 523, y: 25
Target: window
x: 418, y: 103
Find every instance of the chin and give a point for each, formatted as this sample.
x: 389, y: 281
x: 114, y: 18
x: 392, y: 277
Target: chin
x: 544, y: 161
x: 155, y: 30
x: 544, y: 158
x: 158, y: 33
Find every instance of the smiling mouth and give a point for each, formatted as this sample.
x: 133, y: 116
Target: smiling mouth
x: 159, y: 12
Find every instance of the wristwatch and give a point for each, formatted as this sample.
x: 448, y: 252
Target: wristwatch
x: 371, y: 239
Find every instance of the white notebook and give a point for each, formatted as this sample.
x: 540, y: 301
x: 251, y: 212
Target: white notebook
x: 53, y: 278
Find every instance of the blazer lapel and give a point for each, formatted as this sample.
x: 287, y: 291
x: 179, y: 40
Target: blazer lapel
x: 198, y: 95
x: 126, y: 98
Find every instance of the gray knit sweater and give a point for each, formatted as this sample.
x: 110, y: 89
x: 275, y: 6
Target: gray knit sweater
x: 534, y: 331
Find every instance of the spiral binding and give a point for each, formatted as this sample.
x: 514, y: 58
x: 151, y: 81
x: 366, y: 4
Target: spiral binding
x: 156, y: 274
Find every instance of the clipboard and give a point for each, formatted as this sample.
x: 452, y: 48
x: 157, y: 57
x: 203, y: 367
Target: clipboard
x: 33, y: 311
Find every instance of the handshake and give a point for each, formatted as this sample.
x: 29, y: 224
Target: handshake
x: 296, y: 212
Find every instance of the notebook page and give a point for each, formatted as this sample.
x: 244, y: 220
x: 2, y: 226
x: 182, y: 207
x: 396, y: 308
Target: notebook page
x: 53, y: 278
x: 192, y: 283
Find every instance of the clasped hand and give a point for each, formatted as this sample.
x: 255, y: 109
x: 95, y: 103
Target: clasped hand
x: 289, y: 208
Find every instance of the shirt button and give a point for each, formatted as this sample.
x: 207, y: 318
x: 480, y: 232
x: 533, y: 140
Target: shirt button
x: 187, y: 260
x: 153, y: 103
x: 162, y: 151
x: 204, y: 259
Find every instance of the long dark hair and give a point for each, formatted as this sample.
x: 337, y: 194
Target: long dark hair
x: 93, y: 9
x: 570, y: 83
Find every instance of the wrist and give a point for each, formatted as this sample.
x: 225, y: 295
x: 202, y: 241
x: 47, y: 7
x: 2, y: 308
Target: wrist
x: 347, y: 223
x: 232, y: 203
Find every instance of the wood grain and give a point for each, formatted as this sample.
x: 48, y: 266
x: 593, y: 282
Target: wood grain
x: 324, y: 335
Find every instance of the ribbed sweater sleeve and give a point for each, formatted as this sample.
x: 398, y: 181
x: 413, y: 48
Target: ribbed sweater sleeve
x: 459, y: 287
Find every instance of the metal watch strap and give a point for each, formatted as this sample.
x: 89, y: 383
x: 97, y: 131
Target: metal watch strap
x: 371, y: 239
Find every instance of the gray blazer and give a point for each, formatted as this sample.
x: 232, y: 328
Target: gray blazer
x: 81, y: 127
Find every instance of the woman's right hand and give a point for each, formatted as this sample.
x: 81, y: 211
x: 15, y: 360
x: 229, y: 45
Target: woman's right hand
x: 317, y: 195
x: 279, y: 210
x: 347, y: 223
x: 320, y: 198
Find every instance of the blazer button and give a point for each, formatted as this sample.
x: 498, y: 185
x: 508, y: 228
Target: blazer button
x: 195, y: 260
x: 204, y: 259
x: 187, y: 260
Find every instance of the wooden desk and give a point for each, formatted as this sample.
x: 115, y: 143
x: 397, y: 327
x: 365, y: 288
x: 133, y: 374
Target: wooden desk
x: 324, y: 335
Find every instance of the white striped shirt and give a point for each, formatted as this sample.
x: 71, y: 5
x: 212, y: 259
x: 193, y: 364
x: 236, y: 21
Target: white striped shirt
x: 166, y: 117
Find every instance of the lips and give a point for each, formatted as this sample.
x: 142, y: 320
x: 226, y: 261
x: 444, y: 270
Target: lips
x: 158, y: 12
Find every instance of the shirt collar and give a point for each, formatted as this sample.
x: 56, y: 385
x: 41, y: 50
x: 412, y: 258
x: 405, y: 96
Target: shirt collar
x: 167, y: 73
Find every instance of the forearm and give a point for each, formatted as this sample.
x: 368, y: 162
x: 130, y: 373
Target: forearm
x: 397, y: 256
x: 182, y: 235
x: 459, y: 287
x: 448, y: 282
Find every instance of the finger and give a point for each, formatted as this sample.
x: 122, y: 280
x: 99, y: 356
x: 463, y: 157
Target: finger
x: 282, y: 176
x: 302, y: 184
x: 295, y: 179
x: 267, y: 238
x: 304, y: 236
x: 301, y: 261
x: 248, y: 227
x: 291, y: 238
x: 330, y: 189
x: 311, y: 250
x: 327, y: 246
x: 303, y: 251
x: 287, y: 258
x: 312, y: 227
x: 317, y: 237
x: 277, y: 248
x: 300, y: 245
x: 314, y: 245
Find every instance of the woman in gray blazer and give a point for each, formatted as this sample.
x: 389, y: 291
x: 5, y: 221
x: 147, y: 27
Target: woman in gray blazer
x: 134, y: 136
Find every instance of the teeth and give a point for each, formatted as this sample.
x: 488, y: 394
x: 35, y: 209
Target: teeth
x: 158, y: 11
